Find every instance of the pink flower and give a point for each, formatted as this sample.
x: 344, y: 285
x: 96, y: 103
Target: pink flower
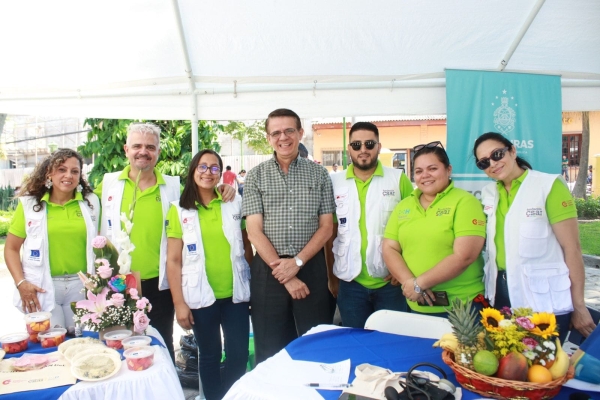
x: 140, y: 321
x: 141, y: 303
x: 96, y: 304
x: 99, y: 242
x: 104, y: 270
x: 118, y: 299
x: 525, y: 323
x: 506, y: 311
x: 530, y: 343
x: 149, y: 307
x: 134, y: 294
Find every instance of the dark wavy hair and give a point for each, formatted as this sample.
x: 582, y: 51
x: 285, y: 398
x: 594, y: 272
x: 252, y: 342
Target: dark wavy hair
x: 35, y: 185
x: 521, y: 162
x: 189, y: 196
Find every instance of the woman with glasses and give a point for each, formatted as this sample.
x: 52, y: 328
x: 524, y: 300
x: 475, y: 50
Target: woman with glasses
x: 533, y: 250
x: 208, y: 253
x: 434, y: 237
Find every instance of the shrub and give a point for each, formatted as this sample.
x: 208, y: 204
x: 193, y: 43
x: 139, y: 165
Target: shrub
x: 5, y: 219
x: 588, y: 208
x: 7, y: 200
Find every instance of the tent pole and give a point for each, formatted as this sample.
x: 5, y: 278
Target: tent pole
x: 522, y: 32
x: 190, y: 75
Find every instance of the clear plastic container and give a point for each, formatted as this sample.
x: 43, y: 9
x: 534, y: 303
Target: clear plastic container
x: 52, y: 337
x: 35, y: 323
x: 14, y: 342
x: 136, y: 341
x: 113, y: 339
x: 139, y: 358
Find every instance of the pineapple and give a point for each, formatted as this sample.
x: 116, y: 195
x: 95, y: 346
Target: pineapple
x: 466, y: 328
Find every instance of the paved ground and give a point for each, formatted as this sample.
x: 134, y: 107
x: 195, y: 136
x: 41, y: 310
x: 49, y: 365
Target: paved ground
x: 12, y: 320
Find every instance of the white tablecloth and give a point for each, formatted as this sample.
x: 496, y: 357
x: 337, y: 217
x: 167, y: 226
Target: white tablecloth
x: 157, y: 382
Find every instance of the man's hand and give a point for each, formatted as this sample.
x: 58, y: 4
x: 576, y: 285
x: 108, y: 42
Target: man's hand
x: 284, y: 269
x: 582, y: 321
x: 297, y: 289
x: 227, y: 192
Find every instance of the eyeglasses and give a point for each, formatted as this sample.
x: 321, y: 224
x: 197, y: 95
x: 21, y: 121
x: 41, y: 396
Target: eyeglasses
x: 497, y: 155
x: 213, y: 170
x: 288, y: 132
x: 430, y: 145
x: 369, y: 144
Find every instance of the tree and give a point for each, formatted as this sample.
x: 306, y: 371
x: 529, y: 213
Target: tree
x: 581, y: 183
x: 253, y: 135
x: 107, y: 137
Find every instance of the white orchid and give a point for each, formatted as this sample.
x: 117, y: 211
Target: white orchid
x: 124, y: 262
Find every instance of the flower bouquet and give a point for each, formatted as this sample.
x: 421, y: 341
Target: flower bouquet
x: 505, y: 353
x: 112, y: 297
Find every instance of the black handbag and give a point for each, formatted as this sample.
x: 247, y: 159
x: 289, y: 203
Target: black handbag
x: 420, y: 388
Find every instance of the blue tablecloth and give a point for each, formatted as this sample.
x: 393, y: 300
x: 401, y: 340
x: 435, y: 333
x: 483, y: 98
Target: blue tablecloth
x: 395, y: 352
x: 55, y: 392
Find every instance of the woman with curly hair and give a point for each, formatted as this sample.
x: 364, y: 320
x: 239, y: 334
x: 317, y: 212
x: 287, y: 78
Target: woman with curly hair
x: 55, y: 222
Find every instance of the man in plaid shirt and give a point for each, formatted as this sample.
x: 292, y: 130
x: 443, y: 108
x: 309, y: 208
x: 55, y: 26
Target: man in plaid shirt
x: 288, y: 205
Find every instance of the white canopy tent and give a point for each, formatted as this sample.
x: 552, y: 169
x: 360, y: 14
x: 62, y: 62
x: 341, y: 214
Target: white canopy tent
x: 225, y: 59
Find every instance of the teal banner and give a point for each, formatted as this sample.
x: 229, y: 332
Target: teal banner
x: 526, y: 108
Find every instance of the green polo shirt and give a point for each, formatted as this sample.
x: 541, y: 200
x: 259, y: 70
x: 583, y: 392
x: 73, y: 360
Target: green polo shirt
x: 427, y: 236
x: 405, y: 187
x: 65, y: 223
x: 216, y: 247
x: 147, y: 223
x: 559, y: 206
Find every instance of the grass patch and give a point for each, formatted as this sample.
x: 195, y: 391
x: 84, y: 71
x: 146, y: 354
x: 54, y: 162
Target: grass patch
x: 589, y: 232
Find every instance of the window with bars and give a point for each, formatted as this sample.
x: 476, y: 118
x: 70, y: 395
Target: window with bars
x: 331, y: 157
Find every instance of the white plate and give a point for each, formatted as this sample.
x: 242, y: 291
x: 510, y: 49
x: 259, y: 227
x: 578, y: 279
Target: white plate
x: 94, y: 350
x: 68, y: 343
x: 96, y: 367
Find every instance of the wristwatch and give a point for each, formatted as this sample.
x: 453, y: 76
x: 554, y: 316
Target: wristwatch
x: 418, y: 289
x: 299, y: 262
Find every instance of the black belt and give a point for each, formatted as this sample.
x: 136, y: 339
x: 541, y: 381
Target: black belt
x: 285, y: 256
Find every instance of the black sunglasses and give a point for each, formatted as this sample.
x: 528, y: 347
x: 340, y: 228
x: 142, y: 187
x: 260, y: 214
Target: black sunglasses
x: 369, y: 144
x: 430, y: 145
x: 497, y: 155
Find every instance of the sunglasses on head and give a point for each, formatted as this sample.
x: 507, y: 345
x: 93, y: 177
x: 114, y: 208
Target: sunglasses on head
x: 497, y: 155
x: 430, y: 145
x: 369, y: 144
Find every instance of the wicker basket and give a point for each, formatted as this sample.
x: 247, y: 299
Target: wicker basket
x: 497, y: 388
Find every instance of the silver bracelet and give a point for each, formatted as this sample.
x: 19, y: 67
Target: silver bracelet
x: 20, y: 282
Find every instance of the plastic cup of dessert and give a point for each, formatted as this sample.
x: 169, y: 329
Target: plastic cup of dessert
x: 14, y: 342
x: 136, y: 341
x: 52, y: 337
x: 35, y: 323
x: 113, y: 339
x: 139, y: 358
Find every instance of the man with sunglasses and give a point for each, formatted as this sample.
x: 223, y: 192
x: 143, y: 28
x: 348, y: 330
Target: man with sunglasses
x: 155, y: 192
x: 288, y: 205
x: 365, y: 197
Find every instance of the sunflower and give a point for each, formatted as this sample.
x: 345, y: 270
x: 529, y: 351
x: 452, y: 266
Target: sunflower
x: 545, y: 325
x: 490, y: 318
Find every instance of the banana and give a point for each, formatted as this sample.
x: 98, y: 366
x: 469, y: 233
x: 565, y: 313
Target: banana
x: 561, y: 364
x: 448, y: 342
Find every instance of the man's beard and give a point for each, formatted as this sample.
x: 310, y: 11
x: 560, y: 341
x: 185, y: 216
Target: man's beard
x: 364, y: 167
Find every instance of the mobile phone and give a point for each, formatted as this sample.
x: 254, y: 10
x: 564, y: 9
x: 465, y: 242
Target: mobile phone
x: 440, y: 299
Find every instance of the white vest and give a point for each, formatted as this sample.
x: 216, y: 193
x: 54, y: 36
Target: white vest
x: 112, y: 196
x: 536, y: 272
x: 197, y: 292
x: 35, y: 259
x: 382, y: 196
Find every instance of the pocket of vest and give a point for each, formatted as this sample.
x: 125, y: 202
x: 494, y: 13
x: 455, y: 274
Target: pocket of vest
x: 534, y: 239
x: 550, y: 287
x: 378, y: 269
x: 33, y: 254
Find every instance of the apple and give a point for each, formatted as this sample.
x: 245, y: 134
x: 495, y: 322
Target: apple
x: 513, y: 366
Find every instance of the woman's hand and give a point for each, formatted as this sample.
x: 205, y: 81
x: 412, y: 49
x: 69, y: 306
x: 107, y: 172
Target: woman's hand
x: 28, y: 292
x: 423, y: 298
x: 184, y: 316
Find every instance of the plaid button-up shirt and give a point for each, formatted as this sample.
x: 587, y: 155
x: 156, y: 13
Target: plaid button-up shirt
x: 290, y: 204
